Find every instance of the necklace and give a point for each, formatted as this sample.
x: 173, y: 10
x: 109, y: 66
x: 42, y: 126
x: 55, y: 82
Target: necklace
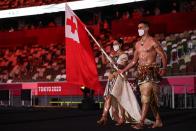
x: 142, y: 41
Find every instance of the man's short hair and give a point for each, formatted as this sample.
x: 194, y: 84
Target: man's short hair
x: 146, y: 23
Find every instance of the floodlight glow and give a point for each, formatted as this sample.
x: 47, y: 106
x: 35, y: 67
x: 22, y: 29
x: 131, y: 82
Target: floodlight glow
x: 75, y: 5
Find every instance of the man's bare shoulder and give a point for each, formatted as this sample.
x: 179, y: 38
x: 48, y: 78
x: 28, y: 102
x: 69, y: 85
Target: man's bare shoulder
x: 137, y: 44
x: 152, y: 39
x: 154, y: 42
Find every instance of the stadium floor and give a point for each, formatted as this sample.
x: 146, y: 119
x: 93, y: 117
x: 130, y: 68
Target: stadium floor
x: 61, y: 119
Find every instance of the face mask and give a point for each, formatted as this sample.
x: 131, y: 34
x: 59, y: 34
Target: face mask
x: 141, y: 32
x: 116, y: 47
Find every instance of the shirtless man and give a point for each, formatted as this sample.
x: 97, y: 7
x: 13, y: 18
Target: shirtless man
x: 146, y: 50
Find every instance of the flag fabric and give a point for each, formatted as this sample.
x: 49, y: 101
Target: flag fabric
x: 80, y: 62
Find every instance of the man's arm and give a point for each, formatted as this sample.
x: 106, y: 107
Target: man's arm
x: 163, y: 56
x: 132, y: 63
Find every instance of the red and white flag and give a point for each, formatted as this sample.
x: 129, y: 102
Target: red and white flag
x: 80, y: 62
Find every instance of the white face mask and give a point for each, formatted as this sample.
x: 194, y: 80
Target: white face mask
x: 116, y: 47
x: 141, y: 32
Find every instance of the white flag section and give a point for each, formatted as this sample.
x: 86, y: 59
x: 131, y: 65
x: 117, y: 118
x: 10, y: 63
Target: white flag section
x: 71, y: 29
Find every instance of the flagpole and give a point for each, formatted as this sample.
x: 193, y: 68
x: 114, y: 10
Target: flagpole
x: 103, y: 51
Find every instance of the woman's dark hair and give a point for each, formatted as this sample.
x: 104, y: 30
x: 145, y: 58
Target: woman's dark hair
x: 121, y: 41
